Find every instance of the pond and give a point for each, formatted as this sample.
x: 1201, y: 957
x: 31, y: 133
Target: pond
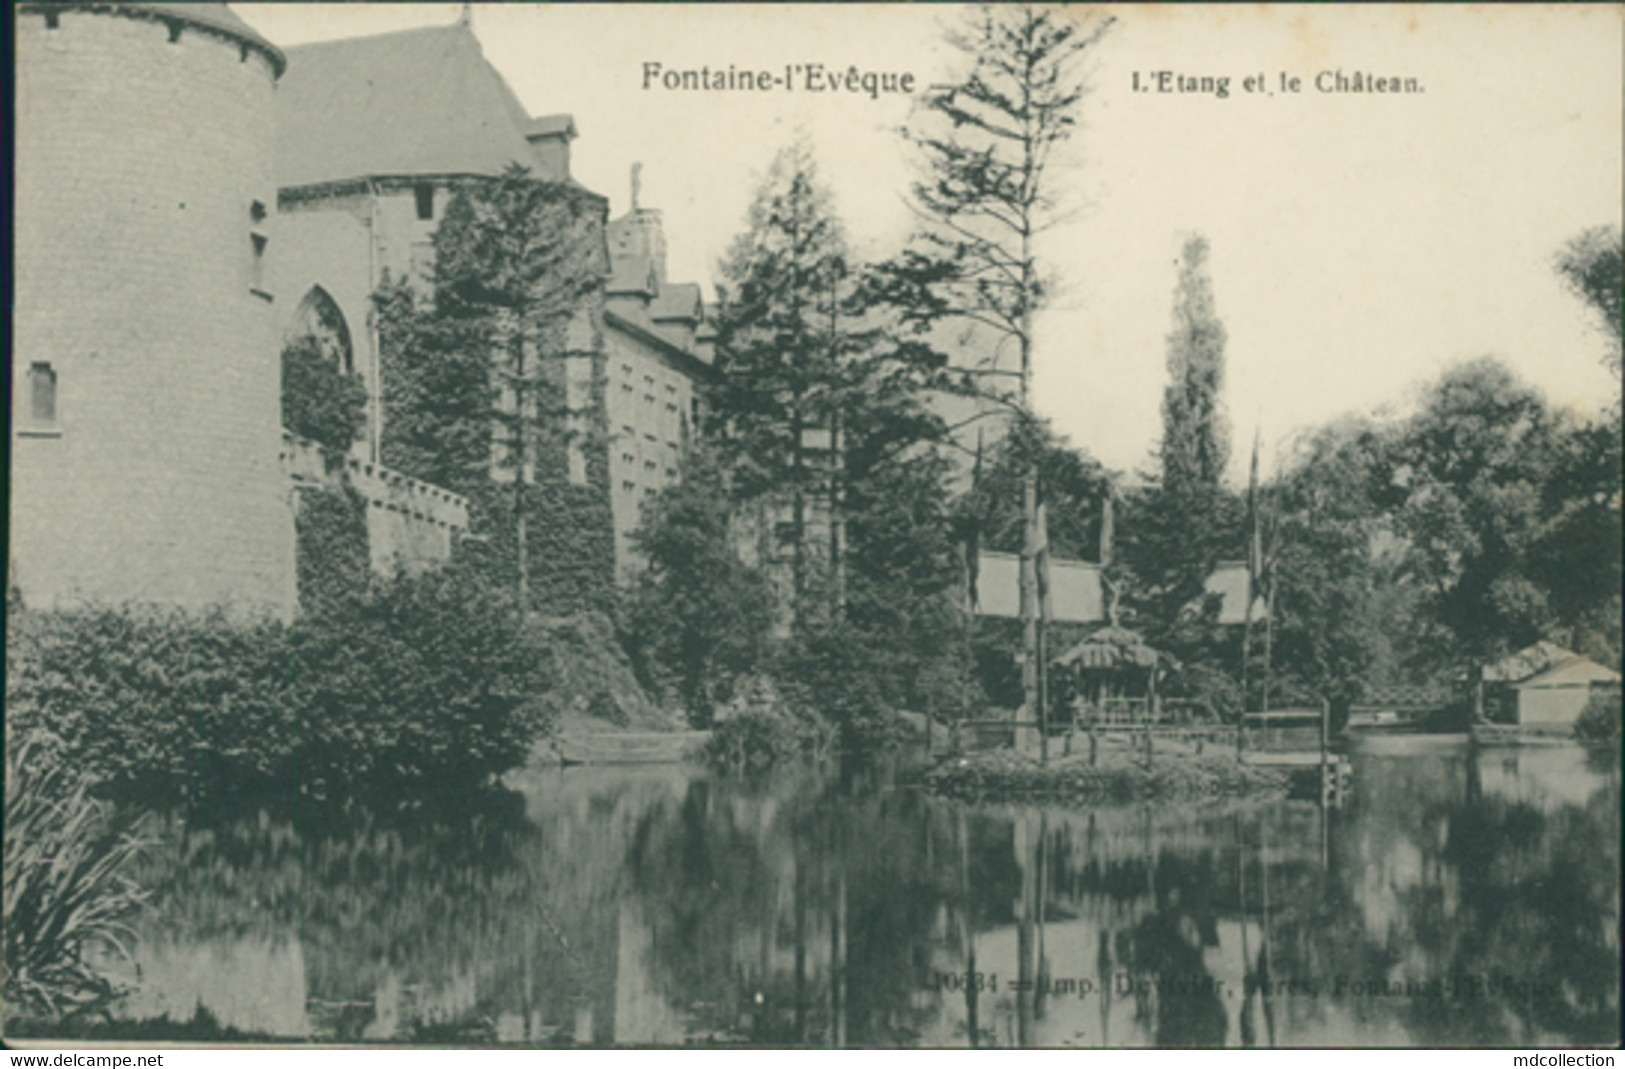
x: 1459, y: 897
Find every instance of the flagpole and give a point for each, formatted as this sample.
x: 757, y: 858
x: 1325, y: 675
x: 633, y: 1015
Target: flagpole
x: 1254, y: 562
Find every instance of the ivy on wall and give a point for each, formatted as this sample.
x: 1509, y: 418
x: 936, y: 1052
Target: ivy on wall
x: 333, y: 558
x: 320, y: 400
x: 453, y: 363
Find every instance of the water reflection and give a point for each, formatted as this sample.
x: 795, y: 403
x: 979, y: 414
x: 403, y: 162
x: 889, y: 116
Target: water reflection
x: 1461, y: 898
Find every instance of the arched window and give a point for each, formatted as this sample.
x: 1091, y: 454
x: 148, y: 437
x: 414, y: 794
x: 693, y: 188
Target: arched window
x: 321, y: 318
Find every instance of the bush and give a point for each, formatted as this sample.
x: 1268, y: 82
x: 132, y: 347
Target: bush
x: 758, y: 729
x: 1599, y: 721
x: 320, y: 400
x: 425, y: 683
x: 419, y: 684
x: 66, y: 887
x: 836, y: 673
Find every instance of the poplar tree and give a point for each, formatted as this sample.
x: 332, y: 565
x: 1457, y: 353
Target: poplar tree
x: 1195, y: 437
x: 1178, y: 528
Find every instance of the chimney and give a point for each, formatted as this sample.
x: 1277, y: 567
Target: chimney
x: 550, y: 137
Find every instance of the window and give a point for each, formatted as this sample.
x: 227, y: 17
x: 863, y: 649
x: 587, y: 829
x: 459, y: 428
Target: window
x: 320, y: 318
x: 628, y: 458
x: 425, y: 198
x: 649, y: 381
x: 256, y: 275
x: 670, y: 388
x: 628, y: 485
x: 626, y: 387
x: 626, y: 369
x: 41, y: 394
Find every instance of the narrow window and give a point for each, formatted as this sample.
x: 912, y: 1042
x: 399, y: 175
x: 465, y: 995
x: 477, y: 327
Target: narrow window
x: 41, y: 394
x: 425, y: 197
x: 256, y: 277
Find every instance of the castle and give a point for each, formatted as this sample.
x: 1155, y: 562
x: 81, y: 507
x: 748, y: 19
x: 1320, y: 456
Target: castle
x: 189, y: 199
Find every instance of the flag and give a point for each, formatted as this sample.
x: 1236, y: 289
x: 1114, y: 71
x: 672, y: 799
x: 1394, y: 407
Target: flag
x: 1255, y: 534
x: 1041, y: 562
x: 1108, y: 529
x: 973, y: 533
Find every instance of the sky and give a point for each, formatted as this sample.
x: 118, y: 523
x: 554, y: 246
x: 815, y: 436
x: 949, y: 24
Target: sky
x: 1361, y: 243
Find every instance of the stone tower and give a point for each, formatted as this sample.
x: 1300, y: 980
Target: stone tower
x: 146, y: 382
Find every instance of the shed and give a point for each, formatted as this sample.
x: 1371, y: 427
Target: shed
x: 1113, y: 667
x: 1545, y: 684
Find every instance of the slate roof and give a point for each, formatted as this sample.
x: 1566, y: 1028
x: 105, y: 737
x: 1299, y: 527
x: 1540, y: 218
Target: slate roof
x: 631, y: 274
x: 551, y: 126
x: 418, y: 102
x: 215, y: 17
x: 677, y: 300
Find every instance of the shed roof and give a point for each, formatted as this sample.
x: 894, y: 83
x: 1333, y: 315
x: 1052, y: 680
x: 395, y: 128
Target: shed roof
x: 1074, y: 589
x: 1580, y: 672
x: 1108, y: 648
x: 1529, y: 662
x: 1229, y: 581
x: 417, y: 102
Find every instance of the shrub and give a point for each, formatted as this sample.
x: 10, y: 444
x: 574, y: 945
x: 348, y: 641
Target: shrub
x: 66, y: 887
x: 1599, y: 721
x: 320, y: 400
x: 758, y: 728
x: 836, y: 673
x: 151, y: 702
x: 424, y: 683
x: 419, y: 684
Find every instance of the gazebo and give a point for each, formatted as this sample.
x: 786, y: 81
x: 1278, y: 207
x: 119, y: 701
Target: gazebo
x: 1113, y: 676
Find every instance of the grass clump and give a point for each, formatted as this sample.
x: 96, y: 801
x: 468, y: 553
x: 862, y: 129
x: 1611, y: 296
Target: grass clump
x: 67, y: 888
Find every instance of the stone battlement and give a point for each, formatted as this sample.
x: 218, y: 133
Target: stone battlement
x: 410, y: 523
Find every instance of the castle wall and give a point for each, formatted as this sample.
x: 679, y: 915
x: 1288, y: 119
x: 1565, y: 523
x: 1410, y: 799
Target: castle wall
x: 330, y: 249
x: 648, y: 403
x: 411, y: 524
x: 141, y: 155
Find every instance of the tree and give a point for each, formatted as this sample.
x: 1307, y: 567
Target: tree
x: 986, y: 196
x: 1591, y: 266
x: 478, y: 379
x: 1331, y: 631
x: 320, y: 400
x: 1468, y: 476
x: 1178, y: 528
x: 779, y: 344
x: 699, y: 616
x: 1195, y: 439
x: 1072, y: 484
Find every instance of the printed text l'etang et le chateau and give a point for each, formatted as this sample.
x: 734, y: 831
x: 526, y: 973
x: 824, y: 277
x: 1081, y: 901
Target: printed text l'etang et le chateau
x: 1334, y: 81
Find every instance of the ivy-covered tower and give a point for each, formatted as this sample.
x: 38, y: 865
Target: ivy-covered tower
x: 146, y: 387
